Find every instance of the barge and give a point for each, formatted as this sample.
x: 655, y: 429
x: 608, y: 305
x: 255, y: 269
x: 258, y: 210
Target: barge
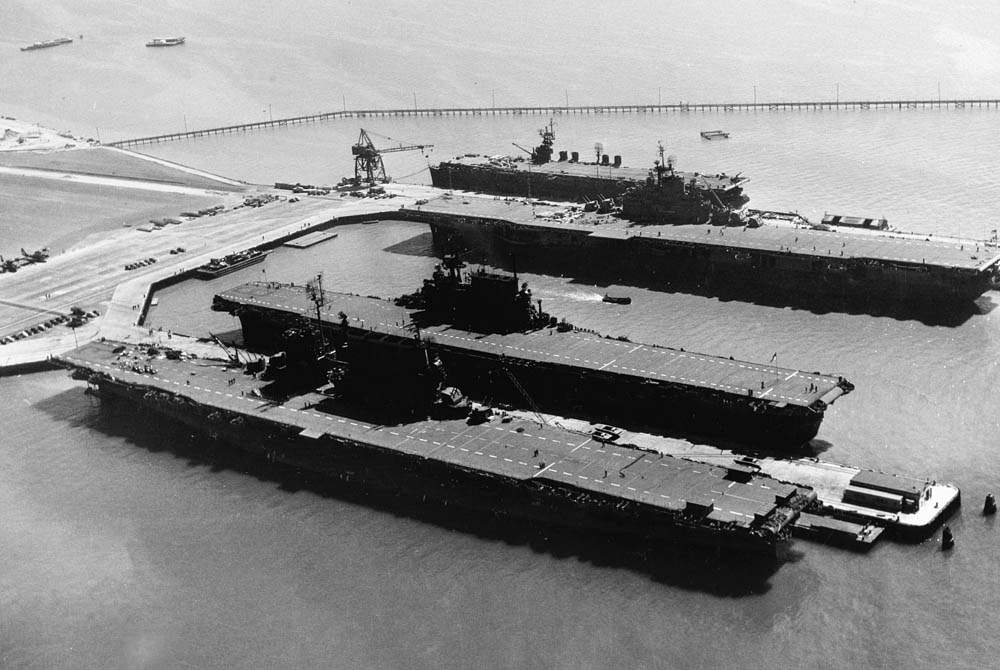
x: 488, y: 337
x: 499, y: 466
x: 218, y: 267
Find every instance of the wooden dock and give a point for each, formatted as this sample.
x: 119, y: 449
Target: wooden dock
x: 550, y: 110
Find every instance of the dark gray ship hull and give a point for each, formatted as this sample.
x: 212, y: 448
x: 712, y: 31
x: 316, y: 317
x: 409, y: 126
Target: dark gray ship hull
x: 740, y: 272
x: 371, y: 470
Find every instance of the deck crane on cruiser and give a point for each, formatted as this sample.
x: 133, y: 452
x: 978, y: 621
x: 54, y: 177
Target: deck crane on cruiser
x: 368, y: 165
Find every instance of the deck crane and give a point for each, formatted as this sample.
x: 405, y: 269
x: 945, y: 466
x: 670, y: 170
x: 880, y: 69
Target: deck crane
x: 368, y: 160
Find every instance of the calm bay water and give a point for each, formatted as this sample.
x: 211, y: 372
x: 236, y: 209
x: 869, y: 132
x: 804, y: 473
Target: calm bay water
x: 117, y: 552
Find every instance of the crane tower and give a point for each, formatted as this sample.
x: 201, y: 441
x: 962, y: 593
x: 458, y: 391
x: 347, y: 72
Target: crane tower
x: 368, y: 160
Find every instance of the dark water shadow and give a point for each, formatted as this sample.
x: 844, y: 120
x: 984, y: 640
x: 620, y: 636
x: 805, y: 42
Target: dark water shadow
x: 712, y: 571
x: 419, y: 245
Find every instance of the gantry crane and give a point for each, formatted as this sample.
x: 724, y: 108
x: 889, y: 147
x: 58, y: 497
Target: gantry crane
x: 368, y: 160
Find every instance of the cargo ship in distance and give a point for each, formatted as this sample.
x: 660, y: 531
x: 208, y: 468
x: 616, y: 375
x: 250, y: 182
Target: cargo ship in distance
x: 491, y: 339
x: 689, y: 232
x: 165, y: 42
x: 45, y: 44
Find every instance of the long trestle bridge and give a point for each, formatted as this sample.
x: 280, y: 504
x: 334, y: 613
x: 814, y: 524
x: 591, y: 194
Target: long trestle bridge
x: 550, y: 110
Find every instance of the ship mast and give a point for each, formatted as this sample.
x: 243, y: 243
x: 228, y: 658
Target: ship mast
x: 660, y: 165
x: 314, y: 289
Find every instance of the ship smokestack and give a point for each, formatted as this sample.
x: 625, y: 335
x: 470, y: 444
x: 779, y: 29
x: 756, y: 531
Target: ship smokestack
x: 562, y: 156
x: 605, y: 160
x: 575, y: 157
x: 618, y: 161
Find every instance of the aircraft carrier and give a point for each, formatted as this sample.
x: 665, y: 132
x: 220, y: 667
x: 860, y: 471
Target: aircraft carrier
x: 501, y: 466
x: 569, y: 179
x: 486, y: 336
x: 780, y: 260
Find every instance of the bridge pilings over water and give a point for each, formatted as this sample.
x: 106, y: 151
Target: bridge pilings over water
x: 681, y: 107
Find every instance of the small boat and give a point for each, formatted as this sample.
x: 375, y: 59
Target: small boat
x: 617, y: 299
x: 47, y: 43
x: 165, y: 42
x: 714, y: 135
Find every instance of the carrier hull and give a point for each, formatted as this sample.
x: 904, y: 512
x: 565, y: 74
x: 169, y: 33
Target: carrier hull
x: 786, y: 266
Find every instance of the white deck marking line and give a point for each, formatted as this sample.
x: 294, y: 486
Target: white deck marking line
x: 542, y: 470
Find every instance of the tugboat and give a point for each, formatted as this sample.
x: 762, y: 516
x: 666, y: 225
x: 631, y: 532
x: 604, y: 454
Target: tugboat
x: 617, y: 299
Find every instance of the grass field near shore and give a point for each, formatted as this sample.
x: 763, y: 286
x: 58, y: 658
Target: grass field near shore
x: 58, y: 214
x: 110, y: 162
